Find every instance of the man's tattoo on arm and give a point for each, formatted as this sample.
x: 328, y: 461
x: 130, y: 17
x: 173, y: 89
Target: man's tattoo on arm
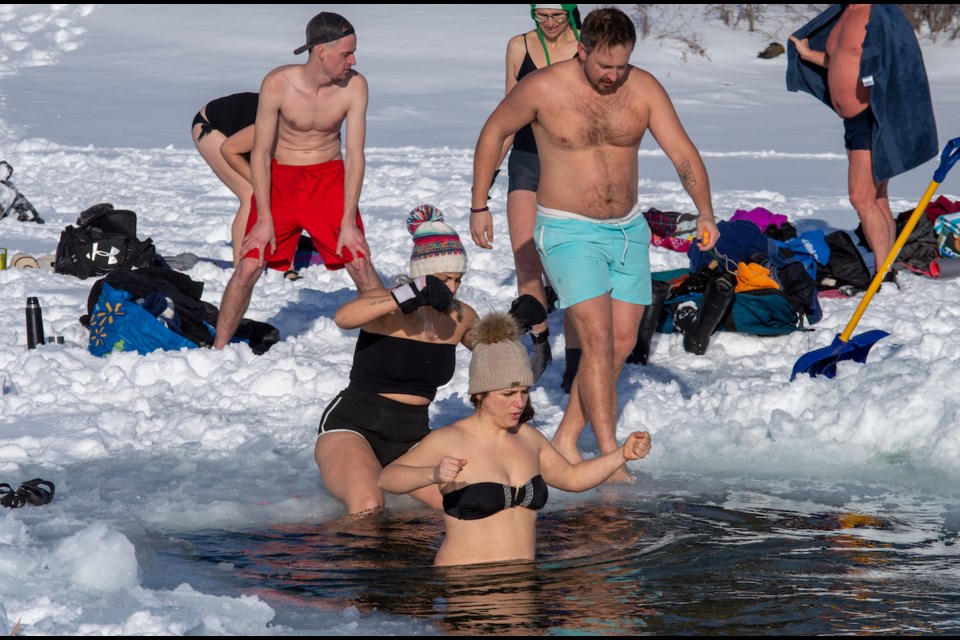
x: 685, y: 171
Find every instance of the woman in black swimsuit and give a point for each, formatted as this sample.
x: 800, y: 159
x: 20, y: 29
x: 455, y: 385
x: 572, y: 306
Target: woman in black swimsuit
x: 406, y: 350
x: 223, y: 133
x: 555, y: 38
x: 493, y: 467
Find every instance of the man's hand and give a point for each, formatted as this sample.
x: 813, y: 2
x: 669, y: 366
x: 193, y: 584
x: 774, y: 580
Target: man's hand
x: 261, y: 235
x: 707, y: 232
x: 818, y: 58
x: 448, y: 469
x: 424, y: 291
x: 353, y: 241
x: 803, y: 46
x: 481, y: 229
x: 637, y: 445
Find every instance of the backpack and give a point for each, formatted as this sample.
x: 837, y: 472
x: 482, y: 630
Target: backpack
x: 154, y: 308
x: 760, y: 312
x: 947, y: 229
x: 118, y: 323
x: 845, y: 267
x: 103, y: 239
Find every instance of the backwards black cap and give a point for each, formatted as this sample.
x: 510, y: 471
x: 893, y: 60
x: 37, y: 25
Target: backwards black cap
x: 325, y: 27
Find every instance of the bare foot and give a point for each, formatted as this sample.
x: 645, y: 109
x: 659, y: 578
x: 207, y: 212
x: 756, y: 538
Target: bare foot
x: 622, y: 476
x: 568, y: 450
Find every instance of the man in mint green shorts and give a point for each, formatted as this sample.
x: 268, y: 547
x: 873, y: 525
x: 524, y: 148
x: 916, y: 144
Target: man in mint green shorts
x: 588, y: 117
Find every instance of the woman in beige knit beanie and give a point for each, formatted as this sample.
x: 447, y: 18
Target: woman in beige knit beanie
x: 493, y: 467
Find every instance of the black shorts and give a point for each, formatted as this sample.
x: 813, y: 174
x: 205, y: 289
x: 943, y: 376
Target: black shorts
x: 524, y: 171
x: 391, y: 427
x: 858, y: 131
x: 205, y: 127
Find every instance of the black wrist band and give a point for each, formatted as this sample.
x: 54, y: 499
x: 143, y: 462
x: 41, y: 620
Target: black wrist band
x: 406, y: 298
x: 540, y: 338
x: 480, y: 210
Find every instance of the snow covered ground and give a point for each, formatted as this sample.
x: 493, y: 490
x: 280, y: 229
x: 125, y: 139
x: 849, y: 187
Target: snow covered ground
x: 95, y: 107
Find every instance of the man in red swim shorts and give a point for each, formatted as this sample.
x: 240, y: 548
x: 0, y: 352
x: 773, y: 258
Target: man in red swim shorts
x: 301, y: 181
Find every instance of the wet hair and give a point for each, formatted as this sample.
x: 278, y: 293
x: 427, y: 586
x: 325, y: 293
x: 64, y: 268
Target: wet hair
x: 607, y: 27
x: 525, y: 416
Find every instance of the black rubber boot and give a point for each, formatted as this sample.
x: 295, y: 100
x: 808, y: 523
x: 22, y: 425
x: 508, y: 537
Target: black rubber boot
x: 716, y: 300
x: 649, y: 323
x: 570, y: 371
x: 890, y: 276
x: 697, y: 281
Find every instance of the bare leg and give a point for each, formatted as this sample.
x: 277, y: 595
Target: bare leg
x: 870, y: 200
x: 608, y: 330
x: 236, y: 299
x: 521, y: 219
x: 571, y: 426
x: 570, y: 334
x: 349, y: 471
x: 239, y: 227
x: 209, y: 148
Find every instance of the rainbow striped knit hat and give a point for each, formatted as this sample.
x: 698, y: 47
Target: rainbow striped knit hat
x: 436, y: 246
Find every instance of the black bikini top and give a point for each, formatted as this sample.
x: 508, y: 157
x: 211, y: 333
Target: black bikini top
x: 524, y: 139
x: 483, y: 499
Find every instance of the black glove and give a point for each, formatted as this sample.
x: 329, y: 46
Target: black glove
x: 425, y: 290
x: 527, y: 311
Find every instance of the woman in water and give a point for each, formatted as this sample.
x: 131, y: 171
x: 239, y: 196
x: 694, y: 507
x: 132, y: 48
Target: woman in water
x: 493, y: 467
x: 406, y: 350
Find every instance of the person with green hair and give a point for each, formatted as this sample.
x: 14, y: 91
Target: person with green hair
x: 555, y: 38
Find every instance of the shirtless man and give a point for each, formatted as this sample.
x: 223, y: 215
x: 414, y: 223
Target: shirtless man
x: 850, y: 99
x: 300, y: 179
x: 589, y: 116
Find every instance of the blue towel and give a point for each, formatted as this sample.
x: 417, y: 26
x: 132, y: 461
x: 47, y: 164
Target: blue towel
x: 906, y: 135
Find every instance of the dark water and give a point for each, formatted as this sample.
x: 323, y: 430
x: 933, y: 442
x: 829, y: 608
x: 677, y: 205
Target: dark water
x: 673, y: 567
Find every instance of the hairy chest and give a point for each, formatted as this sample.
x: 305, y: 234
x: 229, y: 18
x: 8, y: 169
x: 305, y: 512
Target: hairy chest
x: 580, y: 120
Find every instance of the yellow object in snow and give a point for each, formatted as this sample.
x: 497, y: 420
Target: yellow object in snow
x: 752, y: 276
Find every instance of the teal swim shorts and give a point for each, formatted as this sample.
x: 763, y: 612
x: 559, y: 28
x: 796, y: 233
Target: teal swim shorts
x: 586, y: 258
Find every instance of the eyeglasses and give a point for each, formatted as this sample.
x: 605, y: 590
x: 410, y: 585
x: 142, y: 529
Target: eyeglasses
x: 556, y: 17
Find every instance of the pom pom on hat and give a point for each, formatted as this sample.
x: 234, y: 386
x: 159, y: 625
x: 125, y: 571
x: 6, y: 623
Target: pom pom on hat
x: 499, y: 361
x: 436, y: 246
x: 422, y: 214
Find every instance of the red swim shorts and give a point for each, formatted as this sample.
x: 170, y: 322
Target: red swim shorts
x: 307, y: 198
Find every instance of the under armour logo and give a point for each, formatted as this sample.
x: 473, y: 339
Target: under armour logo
x: 111, y: 255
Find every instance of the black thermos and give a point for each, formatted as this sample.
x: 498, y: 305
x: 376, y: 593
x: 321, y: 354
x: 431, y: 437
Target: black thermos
x: 34, y: 323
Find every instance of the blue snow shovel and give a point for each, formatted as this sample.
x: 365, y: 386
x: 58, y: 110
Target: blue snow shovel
x: 824, y: 361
